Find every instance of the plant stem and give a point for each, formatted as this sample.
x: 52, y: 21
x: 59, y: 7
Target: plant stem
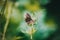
x: 32, y: 32
x: 8, y: 11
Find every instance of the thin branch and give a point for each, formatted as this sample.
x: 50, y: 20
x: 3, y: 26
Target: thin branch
x: 9, y: 9
x: 3, y: 8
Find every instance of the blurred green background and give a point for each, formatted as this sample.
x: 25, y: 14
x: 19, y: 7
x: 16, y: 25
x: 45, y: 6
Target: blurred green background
x: 44, y: 13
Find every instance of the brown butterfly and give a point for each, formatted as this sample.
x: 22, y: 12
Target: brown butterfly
x: 28, y: 19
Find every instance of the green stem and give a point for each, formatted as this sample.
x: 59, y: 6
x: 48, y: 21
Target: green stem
x: 32, y: 33
x: 8, y: 10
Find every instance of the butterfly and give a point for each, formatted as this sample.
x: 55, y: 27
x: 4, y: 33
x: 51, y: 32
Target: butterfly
x: 28, y: 19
